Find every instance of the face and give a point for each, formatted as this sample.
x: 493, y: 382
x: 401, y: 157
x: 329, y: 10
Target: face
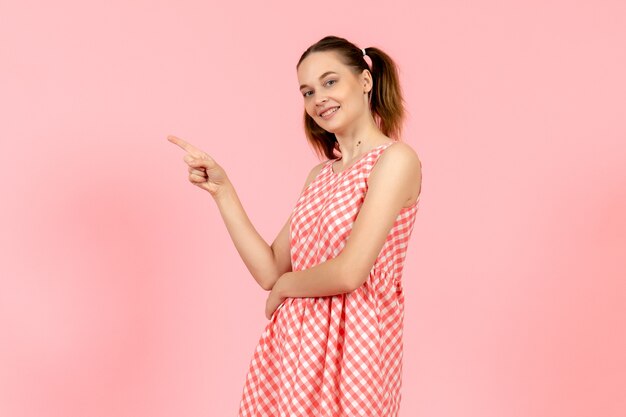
x: 326, y: 83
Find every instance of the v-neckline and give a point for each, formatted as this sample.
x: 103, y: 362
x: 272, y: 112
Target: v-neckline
x: 332, y: 171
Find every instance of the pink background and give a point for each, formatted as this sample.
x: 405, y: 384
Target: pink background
x: 121, y: 293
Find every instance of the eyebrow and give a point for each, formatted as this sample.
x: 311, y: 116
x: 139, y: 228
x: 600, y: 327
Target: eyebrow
x: 321, y: 76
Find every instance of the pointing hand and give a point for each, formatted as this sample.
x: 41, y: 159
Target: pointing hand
x: 203, y: 170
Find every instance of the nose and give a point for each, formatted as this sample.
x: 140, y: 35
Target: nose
x: 319, y: 103
x: 322, y: 100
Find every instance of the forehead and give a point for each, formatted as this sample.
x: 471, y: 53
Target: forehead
x: 316, y: 64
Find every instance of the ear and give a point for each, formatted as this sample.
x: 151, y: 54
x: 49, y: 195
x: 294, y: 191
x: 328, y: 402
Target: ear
x: 366, y: 80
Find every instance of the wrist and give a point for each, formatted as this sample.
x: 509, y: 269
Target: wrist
x: 225, y: 193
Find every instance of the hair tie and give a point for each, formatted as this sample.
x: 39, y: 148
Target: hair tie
x: 363, y: 49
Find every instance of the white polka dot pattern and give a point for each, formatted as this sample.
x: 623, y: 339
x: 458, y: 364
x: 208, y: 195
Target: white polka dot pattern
x: 338, y: 356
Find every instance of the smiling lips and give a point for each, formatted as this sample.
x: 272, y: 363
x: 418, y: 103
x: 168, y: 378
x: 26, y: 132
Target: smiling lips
x: 328, y: 112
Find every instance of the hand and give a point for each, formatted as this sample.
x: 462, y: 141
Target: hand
x: 274, y: 300
x: 203, y: 170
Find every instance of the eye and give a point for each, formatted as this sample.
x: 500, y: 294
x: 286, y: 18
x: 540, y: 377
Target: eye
x: 306, y: 93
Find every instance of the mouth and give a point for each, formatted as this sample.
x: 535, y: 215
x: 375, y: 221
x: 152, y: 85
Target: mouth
x: 327, y: 114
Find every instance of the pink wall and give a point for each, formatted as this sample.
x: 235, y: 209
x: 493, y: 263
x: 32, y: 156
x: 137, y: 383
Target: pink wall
x: 121, y: 293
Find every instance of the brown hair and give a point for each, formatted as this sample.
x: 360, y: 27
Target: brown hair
x: 386, y: 101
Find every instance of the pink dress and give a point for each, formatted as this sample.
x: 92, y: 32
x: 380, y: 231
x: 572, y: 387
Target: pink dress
x: 341, y: 355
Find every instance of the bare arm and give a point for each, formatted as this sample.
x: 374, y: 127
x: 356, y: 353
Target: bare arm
x: 265, y: 262
x: 393, y: 183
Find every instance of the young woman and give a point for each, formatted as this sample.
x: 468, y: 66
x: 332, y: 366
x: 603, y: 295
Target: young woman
x: 333, y: 345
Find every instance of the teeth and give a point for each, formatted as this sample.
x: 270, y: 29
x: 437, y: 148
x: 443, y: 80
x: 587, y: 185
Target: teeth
x: 326, y: 113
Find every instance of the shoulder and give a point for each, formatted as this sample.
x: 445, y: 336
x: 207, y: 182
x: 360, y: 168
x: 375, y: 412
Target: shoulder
x: 313, y: 173
x: 398, y: 157
x: 316, y: 170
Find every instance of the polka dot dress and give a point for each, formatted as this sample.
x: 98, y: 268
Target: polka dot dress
x: 341, y: 355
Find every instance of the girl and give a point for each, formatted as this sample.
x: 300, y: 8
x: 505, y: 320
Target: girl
x: 333, y: 345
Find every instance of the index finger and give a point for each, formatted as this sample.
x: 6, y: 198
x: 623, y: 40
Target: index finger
x: 186, y: 146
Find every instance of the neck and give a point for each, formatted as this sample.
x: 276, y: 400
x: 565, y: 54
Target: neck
x: 358, y: 140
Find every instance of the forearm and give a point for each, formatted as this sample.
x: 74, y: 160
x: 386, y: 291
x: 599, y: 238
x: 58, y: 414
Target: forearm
x: 255, y: 252
x: 322, y: 280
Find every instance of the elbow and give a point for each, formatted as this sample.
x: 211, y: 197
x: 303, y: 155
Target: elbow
x: 351, y: 275
x: 355, y: 283
x: 267, y: 285
x: 269, y: 277
x: 270, y: 280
